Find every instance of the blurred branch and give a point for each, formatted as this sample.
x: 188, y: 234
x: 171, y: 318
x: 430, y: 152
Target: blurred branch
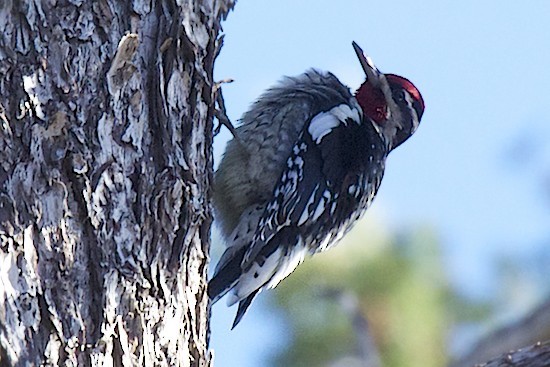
x: 527, y: 331
x: 537, y: 355
x: 366, y: 349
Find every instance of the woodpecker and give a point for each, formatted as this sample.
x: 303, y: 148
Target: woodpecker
x: 304, y: 165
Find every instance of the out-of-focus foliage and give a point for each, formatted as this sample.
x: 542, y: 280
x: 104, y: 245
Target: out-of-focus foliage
x: 402, y: 290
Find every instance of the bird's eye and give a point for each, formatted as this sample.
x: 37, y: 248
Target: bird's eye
x: 399, y: 95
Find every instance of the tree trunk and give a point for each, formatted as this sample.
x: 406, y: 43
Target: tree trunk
x: 105, y: 167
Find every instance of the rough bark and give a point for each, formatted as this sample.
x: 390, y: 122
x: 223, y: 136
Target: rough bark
x: 105, y: 166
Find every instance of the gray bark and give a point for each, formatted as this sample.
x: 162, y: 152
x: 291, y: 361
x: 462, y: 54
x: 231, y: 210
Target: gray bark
x: 105, y: 167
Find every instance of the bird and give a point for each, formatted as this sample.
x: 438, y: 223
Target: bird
x: 303, y: 166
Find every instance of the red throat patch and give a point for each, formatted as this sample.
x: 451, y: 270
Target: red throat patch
x: 372, y: 102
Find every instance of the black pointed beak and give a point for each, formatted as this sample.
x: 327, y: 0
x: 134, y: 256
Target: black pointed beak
x: 371, y: 71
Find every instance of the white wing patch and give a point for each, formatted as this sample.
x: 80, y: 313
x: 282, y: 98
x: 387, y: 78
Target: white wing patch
x: 343, y: 112
x: 321, y: 125
x: 324, y: 122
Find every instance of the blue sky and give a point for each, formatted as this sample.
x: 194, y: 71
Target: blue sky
x: 473, y: 170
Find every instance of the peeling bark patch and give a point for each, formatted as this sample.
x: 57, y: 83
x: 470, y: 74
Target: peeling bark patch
x: 122, y: 66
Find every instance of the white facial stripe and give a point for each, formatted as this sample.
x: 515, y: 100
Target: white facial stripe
x: 410, y: 102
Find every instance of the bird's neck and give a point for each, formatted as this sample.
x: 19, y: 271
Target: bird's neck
x: 372, y: 102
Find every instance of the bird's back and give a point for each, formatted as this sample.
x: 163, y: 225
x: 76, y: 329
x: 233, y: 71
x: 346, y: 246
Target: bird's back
x: 251, y: 167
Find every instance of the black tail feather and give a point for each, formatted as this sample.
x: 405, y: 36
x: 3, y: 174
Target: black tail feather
x: 226, y: 277
x: 243, y: 306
